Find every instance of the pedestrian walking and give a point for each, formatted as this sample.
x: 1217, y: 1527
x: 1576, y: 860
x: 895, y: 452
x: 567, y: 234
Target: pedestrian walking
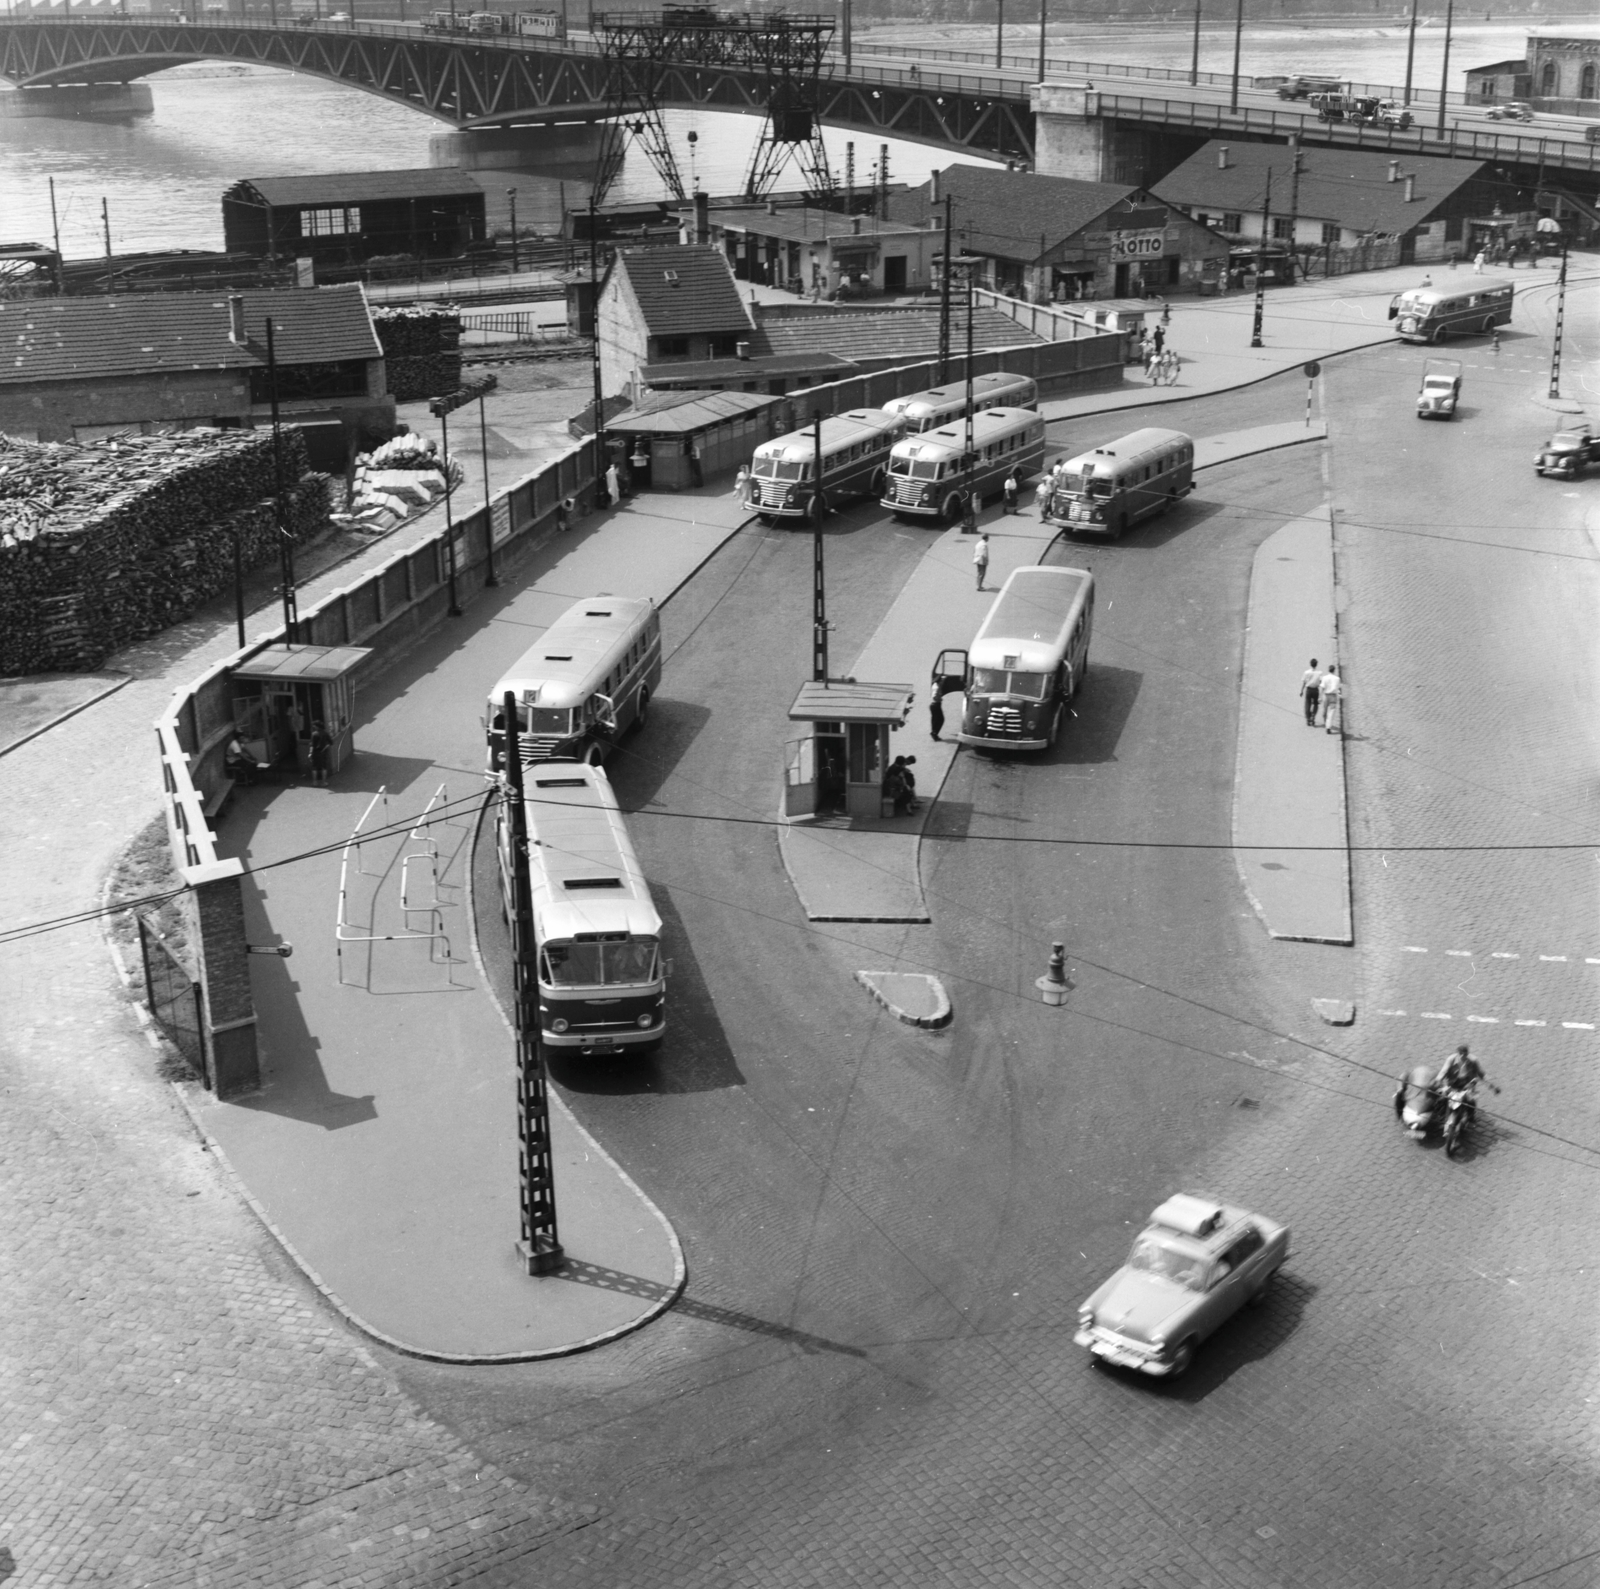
x: 1494, y: 339
x: 1159, y: 337
x: 1166, y: 313
x: 1330, y: 688
x: 1169, y: 367
x: 1042, y: 494
x: 740, y: 480
x: 1309, y: 681
x: 1477, y: 263
x: 613, y: 483
x: 936, y: 710
x: 1011, y: 488
x: 1152, y: 369
x: 321, y: 743
x: 980, y: 557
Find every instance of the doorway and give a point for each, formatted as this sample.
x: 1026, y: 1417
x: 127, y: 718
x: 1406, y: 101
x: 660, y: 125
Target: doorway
x: 894, y: 272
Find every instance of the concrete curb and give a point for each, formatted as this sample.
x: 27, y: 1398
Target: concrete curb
x: 60, y: 718
x: 938, y: 1017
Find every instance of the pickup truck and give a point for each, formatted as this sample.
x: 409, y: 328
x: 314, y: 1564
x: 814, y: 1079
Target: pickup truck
x: 1568, y: 452
x: 1441, y: 389
x: 1361, y: 110
x: 1302, y: 85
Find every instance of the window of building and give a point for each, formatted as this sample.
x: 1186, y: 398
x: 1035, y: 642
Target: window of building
x: 1330, y: 233
x: 672, y: 347
x: 1232, y: 221
x: 1283, y: 228
x: 1452, y: 229
x: 725, y: 347
x: 298, y: 382
x: 337, y: 222
x: 1586, y: 82
x: 1548, y: 80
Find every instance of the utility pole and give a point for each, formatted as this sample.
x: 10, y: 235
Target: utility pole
x: 944, y: 301
x: 439, y: 408
x: 105, y: 221
x: 540, y: 1245
x: 1238, y: 46
x: 55, y: 224
x: 1261, y: 259
x: 291, y: 612
x: 999, y: 34
x: 1561, y: 316
x: 511, y: 194
x: 601, y: 495
x: 1044, y: 17
x: 491, y: 578
x: 1294, y: 198
x: 1411, y: 51
x: 969, y: 510
x: 819, y: 593
x: 1194, y: 59
x: 1444, y: 75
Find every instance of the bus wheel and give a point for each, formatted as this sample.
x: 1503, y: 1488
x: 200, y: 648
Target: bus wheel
x: 879, y: 483
x: 952, y: 508
x: 1438, y: 336
x: 591, y: 754
x: 1055, y: 728
x: 641, y: 710
x: 1122, y: 525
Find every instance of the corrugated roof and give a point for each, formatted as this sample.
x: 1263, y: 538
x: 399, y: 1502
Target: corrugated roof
x: 355, y: 187
x: 684, y: 289
x: 913, y: 333
x: 802, y: 224
x: 1009, y: 214
x: 679, y: 413
x: 75, y: 339
x: 759, y: 366
x: 1347, y: 186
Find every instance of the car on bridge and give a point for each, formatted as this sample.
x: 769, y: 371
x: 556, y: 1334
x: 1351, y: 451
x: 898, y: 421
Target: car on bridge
x: 1302, y: 85
x: 1192, y: 1268
x: 1512, y: 110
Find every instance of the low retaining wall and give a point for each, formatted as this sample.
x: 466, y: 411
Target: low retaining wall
x: 387, y: 611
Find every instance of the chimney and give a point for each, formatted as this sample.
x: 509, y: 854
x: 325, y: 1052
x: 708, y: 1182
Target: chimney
x: 741, y: 350
x: 236, y: 319
x: 1394, y: 170
x: 936, y: 199
x: 855, y: 223
x: 1411, y: 190
x: 772, y: 206
x: 1222, y: 157
x: 702, y: 217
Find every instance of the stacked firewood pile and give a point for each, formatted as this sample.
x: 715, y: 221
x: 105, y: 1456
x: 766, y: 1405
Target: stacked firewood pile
x: 421, y: 351
x: 105, y: 544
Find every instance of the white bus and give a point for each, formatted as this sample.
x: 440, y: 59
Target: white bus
x: 928, y: 473
x: 584, y: 685
x: 941, y: 404
x: 1430, y: 314
x: 1027, y: 661
x: 1107, y: 489
x: 602, y: 981
x: 855, y: 457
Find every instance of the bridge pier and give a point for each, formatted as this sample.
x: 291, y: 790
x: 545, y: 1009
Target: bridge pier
x: 1073, y: 139
x: 108, y: 100
x: 550, y: 149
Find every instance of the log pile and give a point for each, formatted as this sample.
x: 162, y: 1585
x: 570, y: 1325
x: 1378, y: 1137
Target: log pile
x: 105, y: 544
x: 421, y: 351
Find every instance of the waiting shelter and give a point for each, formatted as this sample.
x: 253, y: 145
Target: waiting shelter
x: 682, y: 439
x: 281, y: 691
x: 840, y: 767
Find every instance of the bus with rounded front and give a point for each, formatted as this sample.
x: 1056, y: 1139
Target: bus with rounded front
x: 855, y: 458
x: 584, y: 685
x: 928, y: 473
x: 940, y: 404
x: 1027, y: 661
x: 602, y: 981
x: 1430, y: 314
x: 1103, y: 491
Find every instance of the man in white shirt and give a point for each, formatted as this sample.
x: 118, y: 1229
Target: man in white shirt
x: 1330, y: 687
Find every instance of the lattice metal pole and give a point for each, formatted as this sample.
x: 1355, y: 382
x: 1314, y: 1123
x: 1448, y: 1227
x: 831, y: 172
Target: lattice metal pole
x: 1561, y: 317
x: 539, y: 1244
x: 819, y: 589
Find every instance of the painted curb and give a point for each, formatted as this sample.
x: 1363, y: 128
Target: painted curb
x: 941, y: 1014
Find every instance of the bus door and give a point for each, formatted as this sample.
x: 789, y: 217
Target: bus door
x: 950, y: 672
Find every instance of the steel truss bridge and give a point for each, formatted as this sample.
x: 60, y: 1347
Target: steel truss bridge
x: 473, y: 82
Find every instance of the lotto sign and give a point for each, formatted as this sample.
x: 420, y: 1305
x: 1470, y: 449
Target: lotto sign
x: 1138, y: 245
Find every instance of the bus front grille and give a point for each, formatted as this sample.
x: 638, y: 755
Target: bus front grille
x: 905, y: 492
x: 541, y: 748
x: 1005, y: 722
x: 770, y: 493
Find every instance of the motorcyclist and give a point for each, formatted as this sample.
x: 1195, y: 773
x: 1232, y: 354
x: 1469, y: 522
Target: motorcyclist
x: 1461, y: 1072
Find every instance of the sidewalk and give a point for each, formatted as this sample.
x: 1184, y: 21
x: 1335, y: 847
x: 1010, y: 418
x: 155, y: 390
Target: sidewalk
x: 383, y: 1159
x: 861, y: 870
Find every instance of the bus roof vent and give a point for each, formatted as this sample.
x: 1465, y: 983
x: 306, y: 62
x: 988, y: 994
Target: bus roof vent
x: 559, y: 783
x: 592, y: 882
x: 597, y: 612
x: 558, y: 656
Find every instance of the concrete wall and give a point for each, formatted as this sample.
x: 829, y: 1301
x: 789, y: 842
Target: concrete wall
x: 49, y: 410
x: 619, y: 328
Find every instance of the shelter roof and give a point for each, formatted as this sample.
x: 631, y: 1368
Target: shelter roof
x: 1350, y: 186
x: 315, y: 663
x: 76, y: 339
x: 805, y: 225
x: 682, y: 289
x: 759, y: 367
x: 356, y: 187
x: 846, y: 701
x: 911, y: 333
x: 1009, y: 214
x: 681, y: 413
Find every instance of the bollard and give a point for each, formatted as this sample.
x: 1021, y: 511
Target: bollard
x: 1053, y: 984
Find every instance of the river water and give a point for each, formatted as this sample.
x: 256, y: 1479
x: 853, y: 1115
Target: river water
x: 162, y: 175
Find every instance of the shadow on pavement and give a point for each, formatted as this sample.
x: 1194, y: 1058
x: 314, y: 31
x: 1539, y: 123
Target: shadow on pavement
x: 642, y: 763
x: 368, y: 771
x: 695, y: 1055
x: 1097, y: 717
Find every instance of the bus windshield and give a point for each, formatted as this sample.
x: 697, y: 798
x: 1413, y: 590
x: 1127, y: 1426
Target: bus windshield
x: 996, y: 681
x: 613, y: 963
x: 534, y: 720
x: 781, y: 469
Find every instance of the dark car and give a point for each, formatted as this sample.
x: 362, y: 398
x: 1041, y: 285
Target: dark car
x: 1568, y: 452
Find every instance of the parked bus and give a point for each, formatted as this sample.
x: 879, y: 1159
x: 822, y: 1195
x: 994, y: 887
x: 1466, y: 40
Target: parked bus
x: 1027, y: 661
x: 602, y: 981
x: 855, y: 458
x: 941, y: 404
x: 1430, y: 314
x: 928, y: 472
x: 1104, y: 491
x: 584, y: 685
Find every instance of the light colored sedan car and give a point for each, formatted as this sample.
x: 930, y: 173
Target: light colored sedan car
x: 1194, y: 1266
x: 1512, y: 110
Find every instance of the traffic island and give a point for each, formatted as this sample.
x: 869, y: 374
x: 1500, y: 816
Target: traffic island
x: 909, y: 996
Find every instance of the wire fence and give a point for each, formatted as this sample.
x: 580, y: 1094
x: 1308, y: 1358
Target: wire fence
x: 173, y: 996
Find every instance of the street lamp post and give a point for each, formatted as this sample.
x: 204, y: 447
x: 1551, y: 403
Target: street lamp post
x: 819, y: 593
x: 1444, y: 75
x: 1411, y: 51
x: 1261, y: 260
x: 969, y: 513
x: 1044, y: 17
x: 511, y: 194
x: 291, y: 613
x: 1238, y: 47
x: 441, y: 410
x: 1548, y: 226
x: 491, y: 578
x: 601, y: 495
x: 1194, y: 59
x: 999, y: 34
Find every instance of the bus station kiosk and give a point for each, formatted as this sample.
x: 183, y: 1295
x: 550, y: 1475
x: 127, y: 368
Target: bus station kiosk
x: 839, y: 768
x: 281, y: 691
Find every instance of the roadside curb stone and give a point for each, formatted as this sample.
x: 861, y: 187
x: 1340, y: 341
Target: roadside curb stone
x: 909, y: 996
